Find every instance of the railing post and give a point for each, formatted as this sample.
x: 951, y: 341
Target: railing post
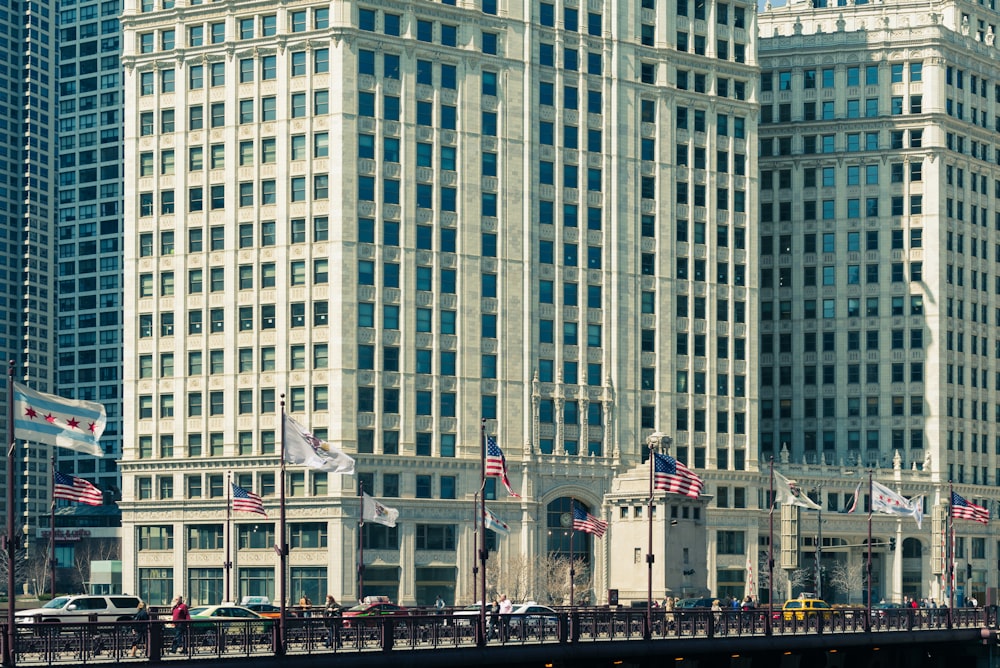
x: 154, y: 641
x: 710, y: 625
x: 388, y: 628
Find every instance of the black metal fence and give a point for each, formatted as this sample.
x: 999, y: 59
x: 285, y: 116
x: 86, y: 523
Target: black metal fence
x: 162, y: 640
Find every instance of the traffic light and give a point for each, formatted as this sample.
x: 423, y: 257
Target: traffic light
x: 892, y: 544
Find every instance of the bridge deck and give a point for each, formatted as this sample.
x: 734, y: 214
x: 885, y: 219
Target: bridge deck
x: 454, y: 640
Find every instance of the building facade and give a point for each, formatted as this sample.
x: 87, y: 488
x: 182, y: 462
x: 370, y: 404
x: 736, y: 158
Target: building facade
x: 395, y: 221
x: 879, y: 225
x: 28, y: 136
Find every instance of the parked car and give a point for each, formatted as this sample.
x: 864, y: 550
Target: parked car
x: 535, y: 619
x: 265, y: 609
x: 800, y: 609
x: 688, y: 603
x: 373, y: 609
x: 81, y: 608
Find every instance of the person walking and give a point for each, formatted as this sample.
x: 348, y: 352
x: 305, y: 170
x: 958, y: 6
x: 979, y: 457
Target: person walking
x: 494, y: 618
x: 439, y: 605
x: 305, y: 606
x: 506, y: 608
x: 140, y: 627
x: 179, y: 614
x: 332, y: 610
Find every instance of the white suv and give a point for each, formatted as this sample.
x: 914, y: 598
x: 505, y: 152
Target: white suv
x: 81, y: 608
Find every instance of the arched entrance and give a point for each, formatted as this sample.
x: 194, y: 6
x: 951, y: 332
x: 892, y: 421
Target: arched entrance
x: 562, y: 544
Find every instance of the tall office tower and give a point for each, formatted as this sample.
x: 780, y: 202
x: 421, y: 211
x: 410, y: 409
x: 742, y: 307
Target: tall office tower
x: 879, y: 278
x: 400, y: 220
x: 86, y: 267
x: 27, y: 234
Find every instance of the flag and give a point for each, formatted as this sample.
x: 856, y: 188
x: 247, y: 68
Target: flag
x: 301, y: 447
x: 495, y: 524
x: 71, y: 488
x: 373, y: 511
x: 854, y: 501
x: 787, y: 492
x: 496, y: 464
x: 967, y: 510
x: 246, y: 501
x: 64, y: 423
x: 673, y: 477
x: 584, y: 521
x: 884, y: 500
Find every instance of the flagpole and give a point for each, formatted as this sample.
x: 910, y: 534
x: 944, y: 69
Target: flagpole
x: 52, y: 529
x: 11, y: 544
x: 475, y: 544
x: 361, y: 540
x: 572, y: 570
x: 951, y: 551
x: 770, y: 554
x: 481, y: 640
x: 868, y: 566
x: 227, y: 564
x: 282, y: 546
x: 652, y: 441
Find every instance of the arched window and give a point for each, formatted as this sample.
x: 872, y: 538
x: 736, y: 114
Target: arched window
x: 559, y: 523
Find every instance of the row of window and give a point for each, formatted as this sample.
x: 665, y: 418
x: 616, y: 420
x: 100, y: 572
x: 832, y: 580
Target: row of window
x: 260, y: 535
x: 196, y: 363
x: 247, y: 402
x: 815, y: 144
x: 300, y: 189
x: 851, y: 76
x: 423, y: 447
x: 217, y: 278
x: 266, y: 109
x: 827, y: 209
x: 249, y: 235
x: 216, y: 72
x: 217, y: 319
x: 431, y: 32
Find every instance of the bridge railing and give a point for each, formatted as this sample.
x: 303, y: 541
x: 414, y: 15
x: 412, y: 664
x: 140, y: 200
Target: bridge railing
x: 158, y: 640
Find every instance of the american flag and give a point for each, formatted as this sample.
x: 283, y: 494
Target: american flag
x: 496, y: 464
x: 584, y: 521
x: 247, y: 501
x: 671, y: 476
x: 71, y: 488
x: 968, y: 510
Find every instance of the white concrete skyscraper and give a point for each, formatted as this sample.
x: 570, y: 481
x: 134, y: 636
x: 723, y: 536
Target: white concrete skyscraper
x: 406, y: 217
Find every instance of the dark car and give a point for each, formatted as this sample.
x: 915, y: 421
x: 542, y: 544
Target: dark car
x: 366, y: 610
x: 688, y: 603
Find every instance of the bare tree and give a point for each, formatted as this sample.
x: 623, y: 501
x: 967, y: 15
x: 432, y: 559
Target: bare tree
x: 20, y: 561
x: 88, y: 550
x: 849, y: 578
x: 37, y: 569
x: 510, y: 574
x: 552, y: 585
x: 785, y: 581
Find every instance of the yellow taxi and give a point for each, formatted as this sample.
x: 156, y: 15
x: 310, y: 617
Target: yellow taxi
x: 800, y: 609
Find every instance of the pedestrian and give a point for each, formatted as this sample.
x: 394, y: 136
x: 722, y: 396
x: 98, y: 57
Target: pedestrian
x: 305, y: 606
x: 140, y: 627
x: 179, y: 614
x: 332, y: 610
x: 494, y: 618
x: 439, y: 605
x: 506, y: 608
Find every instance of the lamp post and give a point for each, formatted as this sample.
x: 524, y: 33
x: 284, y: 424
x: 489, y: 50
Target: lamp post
x: 654, y: 442
x: 818, y: 489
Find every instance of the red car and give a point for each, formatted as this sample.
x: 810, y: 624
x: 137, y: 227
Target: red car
x: 377, y: 609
